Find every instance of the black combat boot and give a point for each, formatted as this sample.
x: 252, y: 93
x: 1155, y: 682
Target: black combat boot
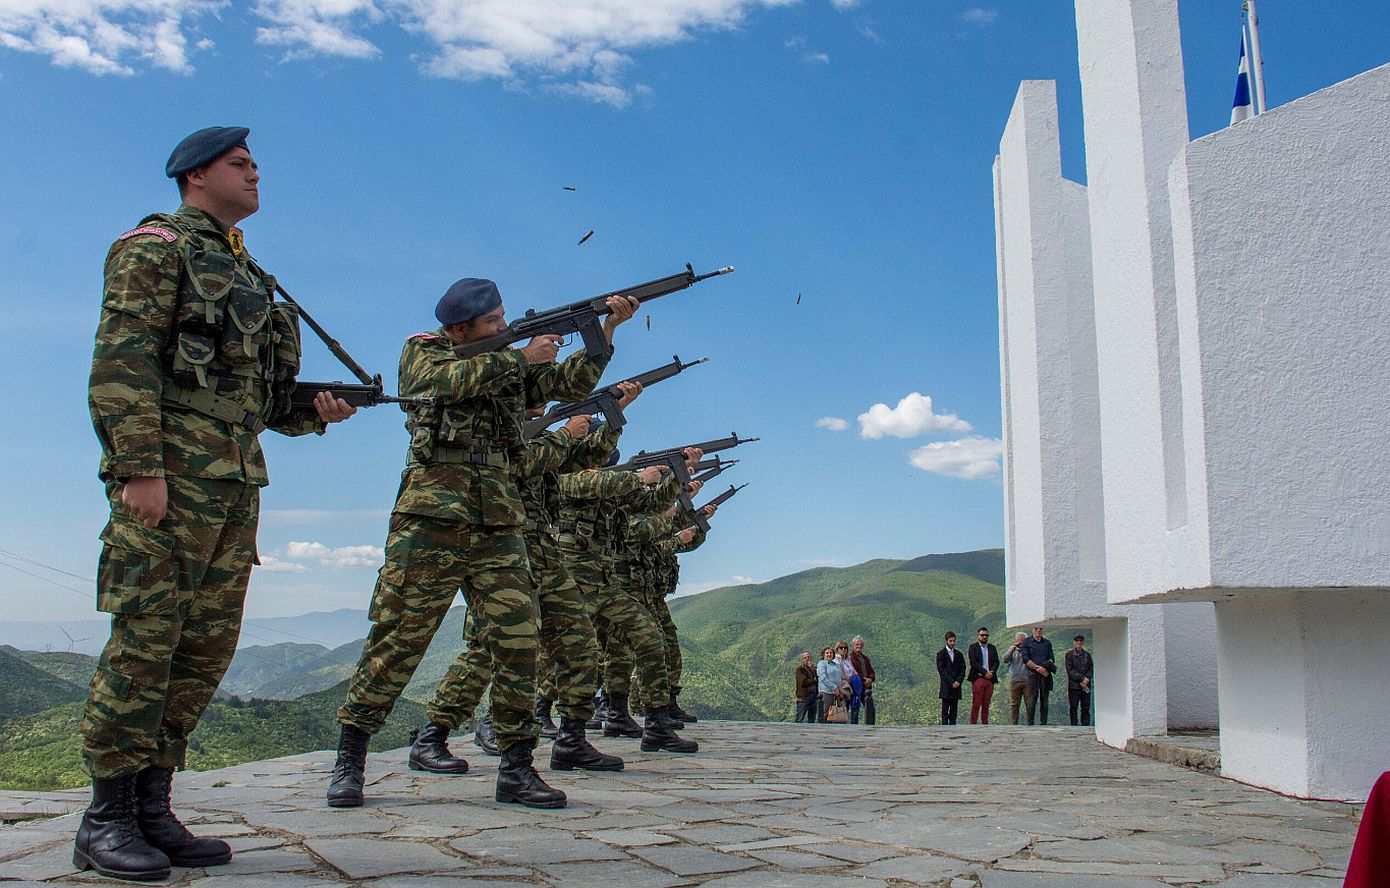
x: 548, y: 729
x: 109, y: 838
x: 349, y: 772
x: 617, y: 721
x: 429, y: 751
x: 677, y: 712
x: 659, y: 733
x: 484, y: 737
x: 600, y: 707
x: 517, y: 780
x: 571, y: 750
x: 162, y: 829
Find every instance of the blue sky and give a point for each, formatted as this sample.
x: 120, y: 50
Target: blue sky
x: 837, y: 150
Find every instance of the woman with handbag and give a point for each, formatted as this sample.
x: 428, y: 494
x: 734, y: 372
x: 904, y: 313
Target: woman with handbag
x: 829, y: 681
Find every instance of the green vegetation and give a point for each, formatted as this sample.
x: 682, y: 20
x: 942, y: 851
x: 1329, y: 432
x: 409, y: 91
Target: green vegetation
x: 43, y: 750
x: 741, y: 643
x: 25, y: 688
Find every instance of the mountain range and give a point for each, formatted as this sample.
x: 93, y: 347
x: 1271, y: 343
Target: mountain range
x: 740, y: 646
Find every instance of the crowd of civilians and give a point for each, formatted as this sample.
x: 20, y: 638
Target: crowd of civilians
x: 838, y: 686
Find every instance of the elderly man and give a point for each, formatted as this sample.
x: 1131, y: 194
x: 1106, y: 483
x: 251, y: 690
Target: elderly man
x: 193, y: 359
x: 865, y: 668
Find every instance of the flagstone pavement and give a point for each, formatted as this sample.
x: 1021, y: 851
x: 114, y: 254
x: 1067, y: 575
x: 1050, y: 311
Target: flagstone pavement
x: 760, y: 806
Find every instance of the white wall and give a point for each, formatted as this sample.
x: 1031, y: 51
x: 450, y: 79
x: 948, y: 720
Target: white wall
x: 1285, y: 342
x: 1302, y: 713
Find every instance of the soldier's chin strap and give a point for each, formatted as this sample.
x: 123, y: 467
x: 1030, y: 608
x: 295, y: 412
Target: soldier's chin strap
x: 333, y: 345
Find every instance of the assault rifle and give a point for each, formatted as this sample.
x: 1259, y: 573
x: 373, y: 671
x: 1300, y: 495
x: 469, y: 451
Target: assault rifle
x: 715, y: 466
x: 605, y: 400
x: 582, y: 317
x: 719, y: 500
x: 369, y: 393
x: 674, y: 459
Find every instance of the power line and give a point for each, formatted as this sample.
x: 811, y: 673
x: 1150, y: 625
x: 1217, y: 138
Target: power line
x: 37, y: 563
x: 85, y: 595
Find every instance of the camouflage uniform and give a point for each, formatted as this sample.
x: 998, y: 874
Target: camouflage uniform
x: 458, y: 523
x: 567, y: 635
x: 593, y: 529
x: 192, y: 360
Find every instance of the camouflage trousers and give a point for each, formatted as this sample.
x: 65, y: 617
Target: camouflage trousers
x: 567, y: 646
x: 428, y: 560
x: 175, y: 594
x: 626, y: 632
x: 655, y: 603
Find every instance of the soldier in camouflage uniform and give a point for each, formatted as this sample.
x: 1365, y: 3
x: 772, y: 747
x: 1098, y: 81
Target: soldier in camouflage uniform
x: 593, y: 527
x: 458, y: 523
x: 660, y: 576
x: 567, y: 635
x: 193, y: 359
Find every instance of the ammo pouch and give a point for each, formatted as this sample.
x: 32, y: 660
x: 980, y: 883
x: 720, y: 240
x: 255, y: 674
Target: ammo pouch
x: 284, y: 356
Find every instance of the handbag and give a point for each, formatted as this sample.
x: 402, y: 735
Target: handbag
x: 837, y: 714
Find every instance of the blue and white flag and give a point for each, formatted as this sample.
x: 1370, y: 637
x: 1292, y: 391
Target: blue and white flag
x: 1240, y: 106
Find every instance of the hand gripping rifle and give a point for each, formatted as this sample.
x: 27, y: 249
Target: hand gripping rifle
x: 582, y: 317
x: 370, y: 393
x: 716, y: 502
x: 605, y: 400
x: 674, y: 459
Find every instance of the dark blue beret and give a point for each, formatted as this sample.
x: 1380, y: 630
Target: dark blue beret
x: 203, y: 147
x: 467, y: 299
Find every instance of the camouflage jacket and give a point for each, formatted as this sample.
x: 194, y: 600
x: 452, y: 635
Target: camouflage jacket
x: 466, y: 451
x: 182, y: 310
x: 594, y: 509
x: 550, y: 454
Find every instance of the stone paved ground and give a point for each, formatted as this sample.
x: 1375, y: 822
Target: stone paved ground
x: 762, y: 806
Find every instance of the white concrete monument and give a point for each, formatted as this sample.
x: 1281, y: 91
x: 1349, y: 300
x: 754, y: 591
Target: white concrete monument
x: 1196, y: 384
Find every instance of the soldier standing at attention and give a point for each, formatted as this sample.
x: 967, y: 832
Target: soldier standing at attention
x: 193, y: 359
x: 458, y: 522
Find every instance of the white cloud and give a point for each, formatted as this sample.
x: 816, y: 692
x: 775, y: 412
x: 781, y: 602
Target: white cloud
x: 977, y: 15
x: 844, y: 4
x: 105, y: 36
x: 968, y: 458
x: 342, y: 556
x: 746, y: 581
x: 833, y: 423
x: 811, y: 58
x: 912, y: 417
x: 275, y: 565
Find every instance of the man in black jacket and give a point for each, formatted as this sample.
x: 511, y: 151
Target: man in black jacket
x: 1079, y: 668
x: 950, y: 665
x: 984, y: 673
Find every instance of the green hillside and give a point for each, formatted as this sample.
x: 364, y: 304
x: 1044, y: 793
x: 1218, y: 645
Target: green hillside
x: 43, y: 750
x: 741, y: 643
x: 25, y: 688
x: 332, y: 668
x: 69, y: 666
x: 253, y: 667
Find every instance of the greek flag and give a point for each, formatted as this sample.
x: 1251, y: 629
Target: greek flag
x: 1240, y: 106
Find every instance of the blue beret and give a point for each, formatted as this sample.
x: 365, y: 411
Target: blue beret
x: 467, y: 299
x: 203, y: 147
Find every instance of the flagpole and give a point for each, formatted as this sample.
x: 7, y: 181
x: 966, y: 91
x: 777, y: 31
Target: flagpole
x: 1257, y: 65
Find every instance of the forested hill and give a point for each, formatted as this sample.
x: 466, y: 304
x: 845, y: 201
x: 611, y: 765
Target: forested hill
x: 741, y: 643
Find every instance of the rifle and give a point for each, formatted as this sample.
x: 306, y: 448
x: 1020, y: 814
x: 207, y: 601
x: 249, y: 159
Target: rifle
x: 716, y: 502
x: 582, y: 317
x: 710, y: 468
x: 370, y: 393
x: 646, y: 458
x: 605, y: 400
x: 674, y: 459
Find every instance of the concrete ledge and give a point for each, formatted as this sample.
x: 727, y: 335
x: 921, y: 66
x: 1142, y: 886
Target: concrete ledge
x: 1199, y: 751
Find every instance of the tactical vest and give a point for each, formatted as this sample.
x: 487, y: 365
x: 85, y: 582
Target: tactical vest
x: 234, y: 352
x: 478, y: 431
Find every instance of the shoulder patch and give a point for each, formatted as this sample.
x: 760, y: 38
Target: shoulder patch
x: 428, y: 334
x: 165, y: 233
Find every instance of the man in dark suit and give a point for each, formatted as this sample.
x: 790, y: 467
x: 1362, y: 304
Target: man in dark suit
x: 950, y: 665
x: 1079, y: 669
x: 983, y: 658
x: 1038, y: 652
